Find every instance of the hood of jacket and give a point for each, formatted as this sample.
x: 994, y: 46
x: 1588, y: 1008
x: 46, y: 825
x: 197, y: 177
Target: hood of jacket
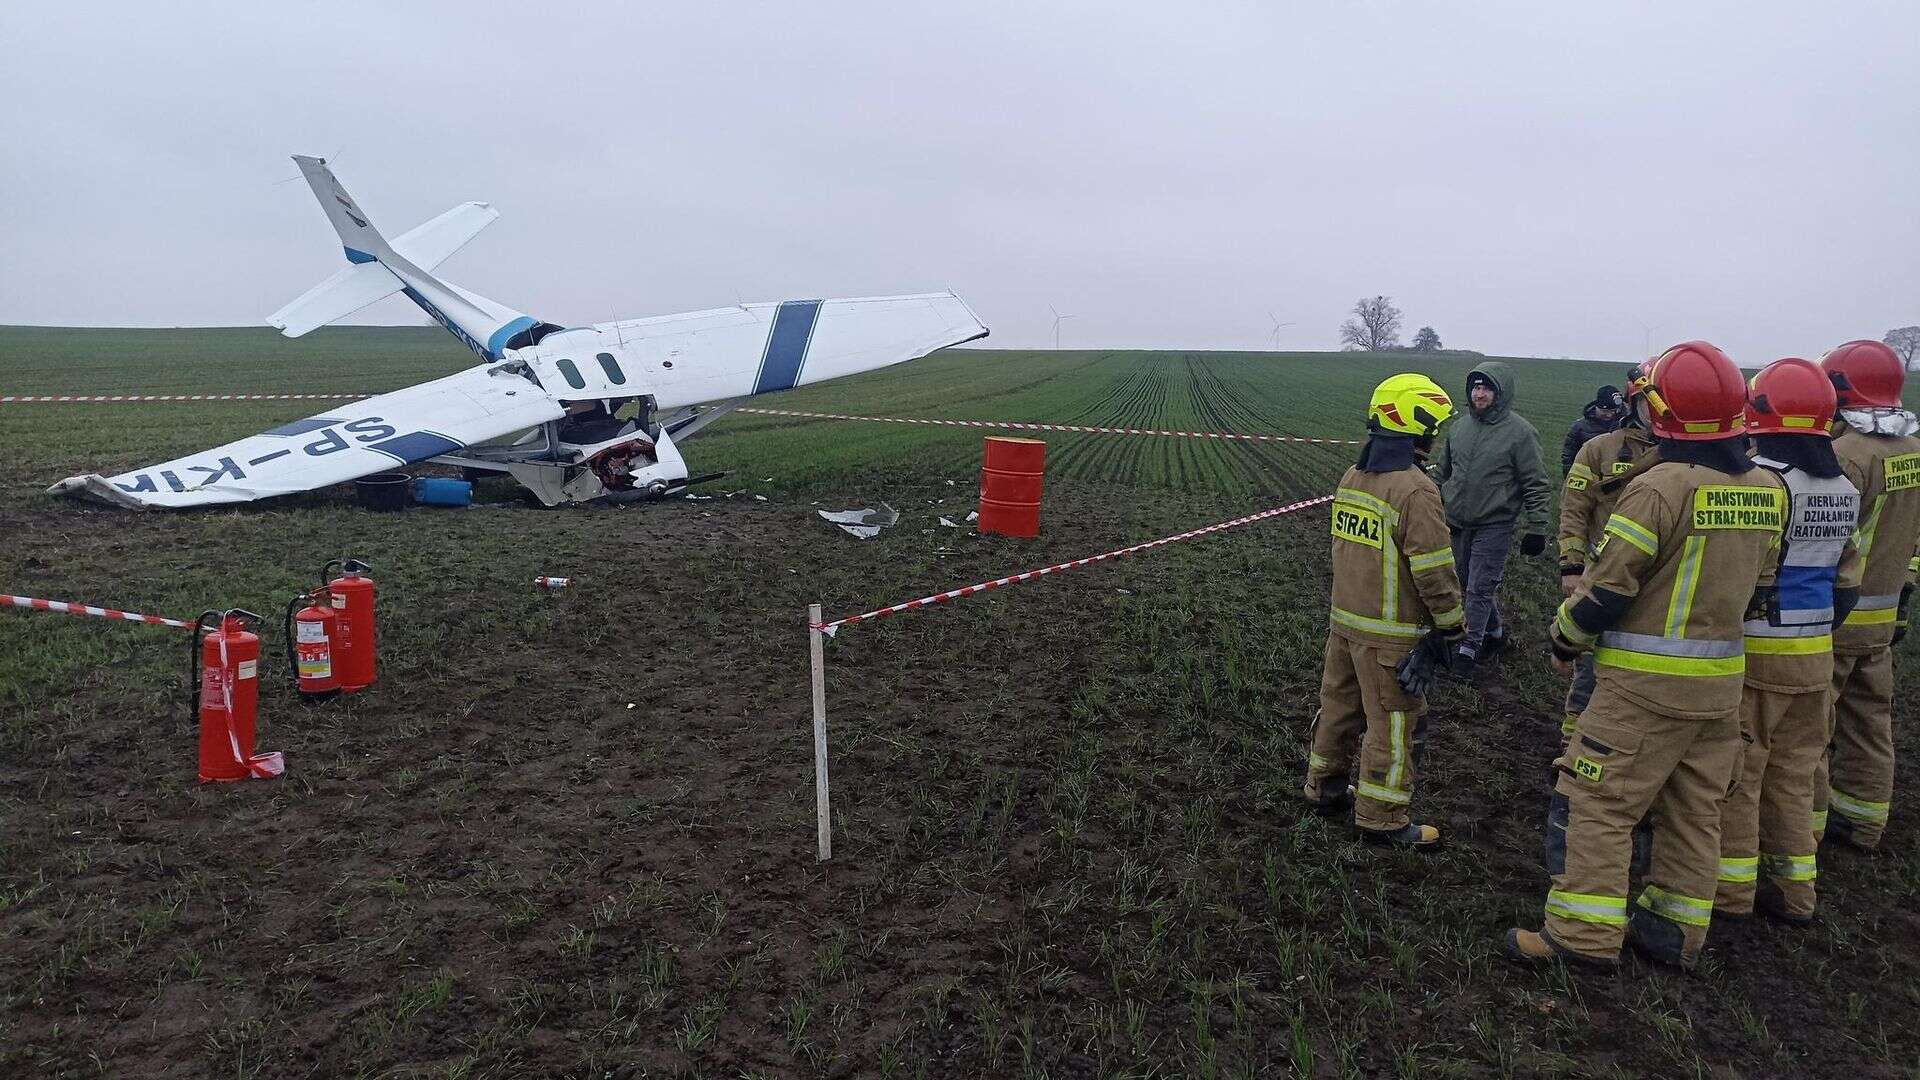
x: 1500, y: 374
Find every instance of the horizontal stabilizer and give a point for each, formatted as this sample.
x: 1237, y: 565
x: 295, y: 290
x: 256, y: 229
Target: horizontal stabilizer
x: 429, y: 245
x: 336, y: 298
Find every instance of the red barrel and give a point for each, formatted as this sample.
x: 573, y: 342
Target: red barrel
x: 1010, y: 475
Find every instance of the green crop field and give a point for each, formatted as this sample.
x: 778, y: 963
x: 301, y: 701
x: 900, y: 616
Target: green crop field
x: 572, y: 833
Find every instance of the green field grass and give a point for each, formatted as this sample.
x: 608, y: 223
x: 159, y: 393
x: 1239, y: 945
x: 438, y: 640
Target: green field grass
x: 572, y: 833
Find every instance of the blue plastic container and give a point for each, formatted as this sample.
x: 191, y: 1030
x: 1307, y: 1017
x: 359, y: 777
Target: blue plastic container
x: 442, y: 491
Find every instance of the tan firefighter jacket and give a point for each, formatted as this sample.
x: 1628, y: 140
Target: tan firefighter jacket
x: 1886, y: 469
x: 1586, y: 500
x: 1392, y: 560
x: 1664, y: 600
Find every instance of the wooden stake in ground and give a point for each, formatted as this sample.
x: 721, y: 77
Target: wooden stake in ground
x: 815, y: 646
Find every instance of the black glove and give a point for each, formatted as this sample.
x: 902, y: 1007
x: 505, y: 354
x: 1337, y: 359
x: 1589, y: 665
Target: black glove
x: 1900, y: 616
x: 1563, y: 649
x: 1533, y: 544
x: 1415, y: 671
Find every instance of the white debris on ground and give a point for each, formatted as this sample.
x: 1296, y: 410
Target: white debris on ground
x: 865, y: 522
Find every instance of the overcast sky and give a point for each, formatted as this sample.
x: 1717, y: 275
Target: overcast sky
x: 1525, y: 177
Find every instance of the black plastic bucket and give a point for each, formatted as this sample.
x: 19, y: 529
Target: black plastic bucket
x: 384, y: 491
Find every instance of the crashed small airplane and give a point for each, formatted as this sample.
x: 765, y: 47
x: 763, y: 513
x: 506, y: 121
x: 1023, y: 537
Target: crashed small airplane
x: 543, y: 405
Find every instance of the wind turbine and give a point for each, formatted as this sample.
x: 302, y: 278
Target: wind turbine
x: 1277, y: 325
x: 1057, y: 320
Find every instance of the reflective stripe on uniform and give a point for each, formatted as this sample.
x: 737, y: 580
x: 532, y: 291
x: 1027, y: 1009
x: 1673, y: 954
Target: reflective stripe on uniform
x: 1397, y: 747
x: 1670, y: 656
x: 1431, y: 560
x: 1371, y: 502
x: 1375, y: 626
x: 1633, y: 533
x: 1680, y: 908
x: 1383, y: 794
x: 1876, y: 610
x: 1873, y: 813
x: 1680, y: 604
x: 1389, y: 576
x: 1450, y: 618
x: 1790, y: 646
x: 1790, y: 867
x: 1588, y: 907
x: 1739, y: 870
x: 1567, y: 724
x: 1315, y: 762
x: 1819, y: 822
x: 1579, y: 469
x: 1869, y: 526
x: 1570, y: 629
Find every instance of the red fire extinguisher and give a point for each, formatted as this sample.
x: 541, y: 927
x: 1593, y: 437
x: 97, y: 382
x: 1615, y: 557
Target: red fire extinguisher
x: 226, y: 696
x: 311, y: 631
x: 351, y: 597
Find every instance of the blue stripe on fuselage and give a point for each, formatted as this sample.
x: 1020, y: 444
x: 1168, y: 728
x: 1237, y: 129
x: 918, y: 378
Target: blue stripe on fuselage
x: 497, y: 341
x: 453, y: 328
x: 416, y: 446
x: 787, y: 341
x: 356, y: 256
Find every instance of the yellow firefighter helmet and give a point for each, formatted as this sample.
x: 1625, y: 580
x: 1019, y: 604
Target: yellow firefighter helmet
x: 1409, y: 404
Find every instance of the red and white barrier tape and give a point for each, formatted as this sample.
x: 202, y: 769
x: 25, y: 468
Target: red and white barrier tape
x: 1016, y: 426
x: 65, y: 608
x: 38, y: 399
x: 831, y: 628
x: 1000, y: 425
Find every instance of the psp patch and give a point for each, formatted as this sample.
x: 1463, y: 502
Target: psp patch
x: 1903, y: 472
x: 1358, y: 524
x: 1588, y: 769
x: 1725, y: 506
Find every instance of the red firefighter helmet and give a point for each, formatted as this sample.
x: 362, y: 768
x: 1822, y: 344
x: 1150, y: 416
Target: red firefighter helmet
x: 1790, y: 397
x: 1865, y: 374
x: 1694, y: 392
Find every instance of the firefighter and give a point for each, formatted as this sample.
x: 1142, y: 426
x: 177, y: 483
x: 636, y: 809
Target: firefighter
x: 1662, y: 604
x: 1395, y: 609
x: 1599, y: 472
x: 1875, y: 443
x: 1767, y: 845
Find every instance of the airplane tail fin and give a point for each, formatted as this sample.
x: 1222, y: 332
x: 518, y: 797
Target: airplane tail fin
x: 381, y: 269
x: 363, y: 242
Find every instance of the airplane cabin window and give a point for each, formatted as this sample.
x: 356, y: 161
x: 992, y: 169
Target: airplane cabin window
x: 612, y: 368
x: 572, y: 373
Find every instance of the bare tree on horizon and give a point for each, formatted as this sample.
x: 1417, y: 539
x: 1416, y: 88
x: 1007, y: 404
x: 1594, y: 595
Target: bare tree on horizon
x: 1375, y: 326
x: 1904, y: 341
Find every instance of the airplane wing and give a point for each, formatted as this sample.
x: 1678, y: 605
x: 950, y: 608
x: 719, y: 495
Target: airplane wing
x: 370, y: 436
x: 749, y: 349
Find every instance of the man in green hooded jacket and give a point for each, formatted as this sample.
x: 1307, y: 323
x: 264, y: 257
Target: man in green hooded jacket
x: 1492, y: 484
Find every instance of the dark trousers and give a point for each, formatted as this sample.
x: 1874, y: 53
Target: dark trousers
x: 1480, y: 558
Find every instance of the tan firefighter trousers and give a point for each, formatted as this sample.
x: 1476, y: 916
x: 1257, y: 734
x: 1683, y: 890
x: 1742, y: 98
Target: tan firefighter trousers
x: 1623, y: 762
x: 1855, y: 779
x: 1766, y: 824
x: 1360, y: 701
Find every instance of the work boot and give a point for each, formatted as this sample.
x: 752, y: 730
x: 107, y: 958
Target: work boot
x: 1464, y: 666
x: 1416, y: 837
x: 1493, y: 645
x: 1538, y: 949
x: 1329, y: 801
x: 1768, y: 900
x: 1839, y: 828
x: 1658, y: 940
